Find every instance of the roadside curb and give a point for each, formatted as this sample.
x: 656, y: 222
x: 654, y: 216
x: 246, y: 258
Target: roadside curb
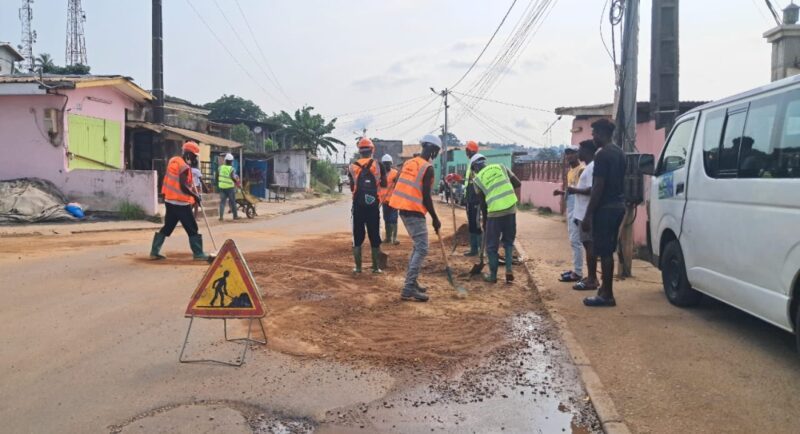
x: 610, y: 419
x: 148, y: 228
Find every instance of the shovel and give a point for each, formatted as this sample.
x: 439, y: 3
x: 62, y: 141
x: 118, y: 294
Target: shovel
x: 477, y: 269
x: 212, y: 255
x: 455, y: 228
x: 461, y: 291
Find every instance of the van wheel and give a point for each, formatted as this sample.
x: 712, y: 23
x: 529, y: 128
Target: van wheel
x: 797, y: 328
x: 673, y: 273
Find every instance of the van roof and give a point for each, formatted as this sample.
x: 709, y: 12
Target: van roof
x: 748, y: 94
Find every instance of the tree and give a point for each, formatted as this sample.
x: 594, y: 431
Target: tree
x: 308, y: 131
x: 549, y: 154
x: 452, y: 140
x: 241, y: 133
x: 45, y: 61
x: 235, y: 107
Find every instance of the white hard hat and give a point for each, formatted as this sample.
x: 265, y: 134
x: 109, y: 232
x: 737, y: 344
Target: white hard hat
x: 387, y: 159
x: 475, y: 158
x: 228, y: 157
x: 431, y: 139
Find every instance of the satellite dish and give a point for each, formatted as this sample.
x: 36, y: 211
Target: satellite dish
x: 257, y: 130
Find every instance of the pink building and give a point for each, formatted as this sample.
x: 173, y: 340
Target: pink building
x: 71, y: 130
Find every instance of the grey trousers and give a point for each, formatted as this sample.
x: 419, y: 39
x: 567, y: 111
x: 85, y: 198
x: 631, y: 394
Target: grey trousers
x: 418, y: 231
x: 227, y: 195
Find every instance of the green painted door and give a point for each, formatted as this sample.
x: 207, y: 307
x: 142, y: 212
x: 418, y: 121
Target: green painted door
x: 94, y: 143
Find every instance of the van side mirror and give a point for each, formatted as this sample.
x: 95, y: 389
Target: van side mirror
x: 647, y: 164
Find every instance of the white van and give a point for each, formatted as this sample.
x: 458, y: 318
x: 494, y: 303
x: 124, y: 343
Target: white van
x: 724, y: 213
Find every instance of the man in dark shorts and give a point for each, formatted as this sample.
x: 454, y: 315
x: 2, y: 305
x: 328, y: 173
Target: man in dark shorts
x: 606, y: 208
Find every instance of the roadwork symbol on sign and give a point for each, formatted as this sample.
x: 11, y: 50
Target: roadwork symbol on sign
x: 228, y: 289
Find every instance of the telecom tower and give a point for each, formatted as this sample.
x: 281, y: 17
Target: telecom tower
x: 28, y: 34
x: 76, y: 43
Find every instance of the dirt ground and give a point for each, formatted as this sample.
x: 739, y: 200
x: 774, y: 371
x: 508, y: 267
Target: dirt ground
x: 710, y: 369
x: 318, y: 308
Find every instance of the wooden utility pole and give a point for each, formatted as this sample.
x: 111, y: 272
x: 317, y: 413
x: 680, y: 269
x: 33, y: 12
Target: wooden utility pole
x: 158, y: 64
x: 626, y: 119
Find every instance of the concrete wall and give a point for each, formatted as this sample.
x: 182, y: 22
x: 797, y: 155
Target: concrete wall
x: 24, y: 144
x: 293, y: 170
x: 540, y: 194
x: 105, y: 190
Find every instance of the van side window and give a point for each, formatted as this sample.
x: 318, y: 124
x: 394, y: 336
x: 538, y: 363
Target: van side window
x: 756, y: 143
x: 785, y: 158
x: 711, y: 137
x: 728, y: 166
x: 677, y: 149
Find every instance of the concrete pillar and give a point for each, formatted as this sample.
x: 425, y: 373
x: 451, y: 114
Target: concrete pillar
x: 785, y: 40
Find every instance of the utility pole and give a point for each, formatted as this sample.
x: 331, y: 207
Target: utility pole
x: 626, y: 119
x: 443, y: 157
x: 76, y: 42
x: 28, y: 34
x: 158, y: 64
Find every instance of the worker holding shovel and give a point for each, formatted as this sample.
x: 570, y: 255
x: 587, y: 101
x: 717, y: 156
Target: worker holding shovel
x: 495, y: 186
x: 412, y: 197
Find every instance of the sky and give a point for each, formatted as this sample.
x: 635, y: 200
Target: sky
x: 357, y: 59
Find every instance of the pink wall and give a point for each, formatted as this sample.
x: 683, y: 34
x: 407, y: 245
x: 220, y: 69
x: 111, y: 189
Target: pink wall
x: 105, y: 190
x: 540, y: 193
x: 24, y: 145
x: 99, y: 102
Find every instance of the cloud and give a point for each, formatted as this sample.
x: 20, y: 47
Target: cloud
x: 523, y: 124
x: 363, y: 122
x: 464, y: 45
x: 397, y: 74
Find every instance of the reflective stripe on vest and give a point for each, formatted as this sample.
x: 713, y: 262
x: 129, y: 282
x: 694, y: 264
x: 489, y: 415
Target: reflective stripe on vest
x: 496, y: 187
x: 407, y: 194
x: 171, y: 186
x: 225, y: 180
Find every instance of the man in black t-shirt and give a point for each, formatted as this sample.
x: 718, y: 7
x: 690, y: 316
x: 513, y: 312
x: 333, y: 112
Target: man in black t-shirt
x: 606, y: 208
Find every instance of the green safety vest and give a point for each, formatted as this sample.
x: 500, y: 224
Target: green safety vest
x: 496, y: 187
x: 225, y: 179
x: 466, y: 175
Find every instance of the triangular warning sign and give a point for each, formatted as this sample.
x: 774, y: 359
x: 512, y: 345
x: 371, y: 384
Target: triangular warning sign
x: 228, y: 289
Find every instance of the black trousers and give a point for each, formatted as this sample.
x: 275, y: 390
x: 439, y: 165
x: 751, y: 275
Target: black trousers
x: 366, y: 222
x: 179, y: 213
x: 472, y: 218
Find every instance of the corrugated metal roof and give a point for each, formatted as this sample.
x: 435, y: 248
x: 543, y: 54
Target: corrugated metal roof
x: 203, y: 138
x: 410, y: 150
x: 120, y: 82
x: 18, y: 57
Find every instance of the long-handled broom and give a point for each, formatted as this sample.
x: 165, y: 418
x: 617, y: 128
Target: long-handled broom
x: 461, y: 291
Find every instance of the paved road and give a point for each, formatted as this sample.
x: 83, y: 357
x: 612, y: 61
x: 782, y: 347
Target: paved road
x: 92, y: 330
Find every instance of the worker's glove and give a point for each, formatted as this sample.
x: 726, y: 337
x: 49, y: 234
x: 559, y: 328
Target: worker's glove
x: 198, y: 200
x: 436, y: 224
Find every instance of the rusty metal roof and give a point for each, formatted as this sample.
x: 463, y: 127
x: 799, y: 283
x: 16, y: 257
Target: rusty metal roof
x: 120, y: 82
x: 201, y: 138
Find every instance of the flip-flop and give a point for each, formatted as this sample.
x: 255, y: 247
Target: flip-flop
x: 583, y: 286
x: 571, y: 277
x: 598, y: 301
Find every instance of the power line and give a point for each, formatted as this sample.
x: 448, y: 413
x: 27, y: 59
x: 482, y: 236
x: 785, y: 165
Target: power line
x: 411, y: 116
x: 499, y: 26
x: 474, y: 112
x: 506, y: 103
x: 263, y: 56
x: 225, y: 47
x: 397, y: 105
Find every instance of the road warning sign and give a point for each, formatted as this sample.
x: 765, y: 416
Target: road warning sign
x: 228, y: 289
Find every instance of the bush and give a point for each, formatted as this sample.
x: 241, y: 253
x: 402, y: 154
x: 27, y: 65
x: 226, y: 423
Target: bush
x: 525, y: 206
x: 131, y: 211
x: 325, y: 173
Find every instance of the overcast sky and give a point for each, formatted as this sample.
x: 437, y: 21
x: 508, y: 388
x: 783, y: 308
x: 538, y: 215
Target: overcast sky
x: 346, y: 56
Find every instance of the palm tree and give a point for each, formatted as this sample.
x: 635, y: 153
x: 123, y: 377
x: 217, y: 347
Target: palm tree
x: 308, y: 131
x: 45, y: 61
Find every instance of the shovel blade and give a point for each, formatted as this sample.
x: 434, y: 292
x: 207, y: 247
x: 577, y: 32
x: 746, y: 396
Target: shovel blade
x: 477, y: 269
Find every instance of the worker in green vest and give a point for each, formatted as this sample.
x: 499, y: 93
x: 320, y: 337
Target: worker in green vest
x: 472, y: 204
x: 495, y: 187
x: 226, y: 183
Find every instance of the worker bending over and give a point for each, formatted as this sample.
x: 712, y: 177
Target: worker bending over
x: 473, y: 204
x: 412, y: 197
x: 179, y: 196
x: 495, y: 186
x: 366, y: 178
x: 389, y: 213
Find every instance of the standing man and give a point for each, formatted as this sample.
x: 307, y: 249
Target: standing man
x: 179, y: 195
x: 389, y: 213
x: 473, y: 204
x: 582, y: 192
x: 606, y: 208
x: 366, y: 178
x: 412, y: 197
x: 227, y: 180
x: 495, y: 185
x: 573, y: 231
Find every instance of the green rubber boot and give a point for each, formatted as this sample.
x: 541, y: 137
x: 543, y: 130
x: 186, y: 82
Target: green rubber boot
x: 494, y: 262
x: 155, y: 250
x: 196, y: 243
x: 376, y: 257
x: 474, y: 244
x: 388, y: 238
x: 357, y: 258
x: 509, y: 264
x: 394, y: 234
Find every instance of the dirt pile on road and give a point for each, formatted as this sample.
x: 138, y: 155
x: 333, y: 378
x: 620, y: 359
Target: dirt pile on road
x: 316, y: 307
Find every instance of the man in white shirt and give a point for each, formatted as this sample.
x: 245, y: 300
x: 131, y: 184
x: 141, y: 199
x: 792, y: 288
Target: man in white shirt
x: 582, y: 192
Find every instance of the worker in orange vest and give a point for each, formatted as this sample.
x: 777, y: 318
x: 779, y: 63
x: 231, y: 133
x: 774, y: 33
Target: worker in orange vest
x: 366, y: 179
x: 412, y: 197
x: 389, y: 213
x: 179, y: 196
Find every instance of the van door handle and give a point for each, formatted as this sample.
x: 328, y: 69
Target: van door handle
x: 679, y: 188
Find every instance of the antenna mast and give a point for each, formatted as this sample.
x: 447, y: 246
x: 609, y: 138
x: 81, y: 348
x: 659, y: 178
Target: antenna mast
x: 76, y: 42
x: 28, y: 34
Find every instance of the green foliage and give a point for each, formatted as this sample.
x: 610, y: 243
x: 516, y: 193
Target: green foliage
x: 544, y: 210
x: 235, y: 107
x: 308, y: 131
x: 324, y: 173
x: 452, y: 139
x: 242, y: 134
x: 270, y: 145
x: 525, y: 206
x: 48, y: 66
x: 549, y: 154
x: 131, y: 211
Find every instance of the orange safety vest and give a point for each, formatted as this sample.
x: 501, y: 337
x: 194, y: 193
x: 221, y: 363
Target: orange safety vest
x: 355, y: 170
x: 171, y: 187
x: 407, y: 194
x: 385, y: 193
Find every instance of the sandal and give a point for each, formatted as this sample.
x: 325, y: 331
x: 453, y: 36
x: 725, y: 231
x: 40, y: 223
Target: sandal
x: 570, y: 277
x: 598, y: 301
x: 583, y: 286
